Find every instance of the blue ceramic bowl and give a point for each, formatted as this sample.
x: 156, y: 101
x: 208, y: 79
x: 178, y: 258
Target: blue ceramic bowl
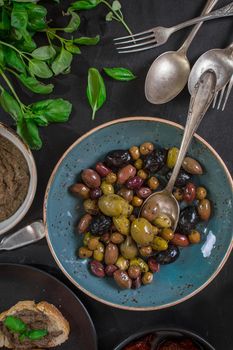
x: 176, y: 282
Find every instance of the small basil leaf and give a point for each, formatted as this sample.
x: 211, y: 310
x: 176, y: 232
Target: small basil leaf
x: 10, y: 105
x: 96, y: 91
x: 34, y: 85
x: 39, y: 68
x: 15, y: 324
x: 28, y: 130
x: 121, y: 74
x: 87, y: 40
x: 73, y: 24
x: 27, y: 46
x: 44, y: 53
x: 84, y: 4
x: 13, y: 59
x: 57, y: 110
x: 37, y: 334
x: 36, y: 17
x: 116, y: 5
x: 62, y: 61
x: 38, y: 119
x: 72, y: 48
x: 109, y: 16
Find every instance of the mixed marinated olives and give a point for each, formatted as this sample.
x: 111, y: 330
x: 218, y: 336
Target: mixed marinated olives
x: 121, y: 244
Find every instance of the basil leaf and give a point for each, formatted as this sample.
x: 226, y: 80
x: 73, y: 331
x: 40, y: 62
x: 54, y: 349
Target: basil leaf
x: 44, y: 53
x: 34, y: 85
x: 96, y: 92
x: 28, y: 130
x: 13, y: 59
x: 85, y: 4
x: 37, y: 334
x: 19, y: 17
x: 73, y: 24
x: 2, y: 60
x: 121, y: 74
x: 116, y: 5
x: 55, y: 111
x: 62, y: 62
x: 38, y: 119
x: 87, y: 40
x: 40, y: 69
x: 5, y: 23
x: 72, y: 48
x: 27, y: 46
x: 15, y: 324
x: 36, y: 17
x: 109, y: 16
x: 10, y: 105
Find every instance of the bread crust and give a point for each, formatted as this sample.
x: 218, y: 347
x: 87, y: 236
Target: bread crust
x: 57, y: 321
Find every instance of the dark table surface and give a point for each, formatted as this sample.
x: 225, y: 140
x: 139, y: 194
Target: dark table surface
x: 210, y: 312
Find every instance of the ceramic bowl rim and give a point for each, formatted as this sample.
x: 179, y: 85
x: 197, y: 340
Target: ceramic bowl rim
x: 26, y: 152
x: 142, y: 333
x: 50, y: 182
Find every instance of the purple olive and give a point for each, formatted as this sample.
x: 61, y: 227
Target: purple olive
x: 134, y: 183
x: 96, y: 193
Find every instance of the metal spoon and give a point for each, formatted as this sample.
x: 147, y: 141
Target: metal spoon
x: 220, y: 61
x: 25, y: 236
x: 163, y: 202
x: 169, y: 72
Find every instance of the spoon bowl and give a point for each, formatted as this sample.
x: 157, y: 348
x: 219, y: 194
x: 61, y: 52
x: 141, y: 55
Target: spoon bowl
x: 218, y: 60
x: 167, y: 77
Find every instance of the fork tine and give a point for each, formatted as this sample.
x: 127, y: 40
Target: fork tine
x: 140, y: 49
x: 221, y: 96
x: 137, y: 45
x: 135, y: 40
x: 133, y: 35
x: 228, y: 93
x: 215, y: 99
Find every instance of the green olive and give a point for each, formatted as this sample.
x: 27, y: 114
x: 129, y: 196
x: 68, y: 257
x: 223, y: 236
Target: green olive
x: 145, y: 251
x: 147, y: 278
x: 134, y: 152
x: 159, y: 244
x: 112, y: 205
x: 129, y: 248
x: 167, y: 234
x: 107, y: 188
x: 97, y: 255
x: 201, y: 193
x: 84, y: 253
x: 153, y: 183
x: 172, y: 157
x: 142, y: 231
x: 141, y: 263
x: 162, y: 221
x: 122, y: 263
x: 86, y: 238
x: 93, y: 243
x: 90, y: 206
x: 111, y: 178
x: 122, y: 224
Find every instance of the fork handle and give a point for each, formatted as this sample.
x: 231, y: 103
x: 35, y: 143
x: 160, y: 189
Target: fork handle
x: 225, y: 11
x: 208, y: 7
x: 200, y: 101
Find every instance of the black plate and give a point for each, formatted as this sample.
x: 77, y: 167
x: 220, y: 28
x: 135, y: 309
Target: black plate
x: 162, y: 334
x: 21, y: 282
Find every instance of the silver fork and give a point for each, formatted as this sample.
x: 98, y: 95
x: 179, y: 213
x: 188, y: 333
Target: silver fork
x: 159, y: 35
x: 220, y: 94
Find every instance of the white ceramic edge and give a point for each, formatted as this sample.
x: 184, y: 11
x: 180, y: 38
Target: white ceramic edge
x: 8, y: 224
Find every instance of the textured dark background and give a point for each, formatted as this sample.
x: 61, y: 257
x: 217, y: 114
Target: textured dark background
x: 210, y: 312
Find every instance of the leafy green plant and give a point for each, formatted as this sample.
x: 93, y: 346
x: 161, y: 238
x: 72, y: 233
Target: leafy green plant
x: 114, y: 13
x: 120, y: 73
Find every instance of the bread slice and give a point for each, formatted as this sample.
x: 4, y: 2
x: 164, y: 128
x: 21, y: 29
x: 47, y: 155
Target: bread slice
x: 56, y: 321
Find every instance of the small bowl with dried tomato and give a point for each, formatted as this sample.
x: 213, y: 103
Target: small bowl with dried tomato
x: 18, y: 179
x: 91, y: 213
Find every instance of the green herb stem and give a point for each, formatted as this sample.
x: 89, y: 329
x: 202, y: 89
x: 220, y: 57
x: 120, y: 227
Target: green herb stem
x: 12, y: 89
x: 120, y: 17
x: 15, y: 49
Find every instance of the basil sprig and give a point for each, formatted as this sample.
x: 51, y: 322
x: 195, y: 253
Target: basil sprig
x: 96, y: 91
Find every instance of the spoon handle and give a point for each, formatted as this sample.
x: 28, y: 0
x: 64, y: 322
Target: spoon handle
x: 208, y: 7
x: 200, y: 101
x: 222, y: 12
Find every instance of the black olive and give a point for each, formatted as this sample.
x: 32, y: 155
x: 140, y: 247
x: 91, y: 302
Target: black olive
x: 100, y: 224
x: 155, y: 160
x: 188, y: 219
x: 117, y: 159
x: 168, y: 256
x: 182, y: 179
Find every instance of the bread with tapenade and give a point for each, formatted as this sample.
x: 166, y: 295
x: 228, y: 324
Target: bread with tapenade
x: 36, y: 319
